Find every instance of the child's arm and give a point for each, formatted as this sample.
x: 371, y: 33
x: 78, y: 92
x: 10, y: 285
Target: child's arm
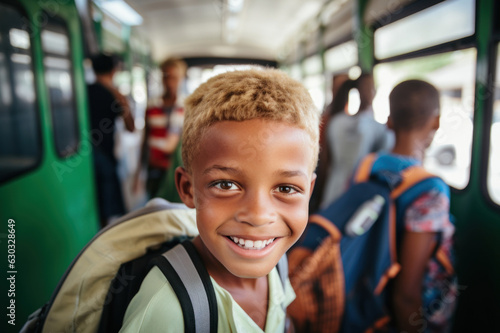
x: 176, y: 120
x: 169, y: 144
x: 416, y: 250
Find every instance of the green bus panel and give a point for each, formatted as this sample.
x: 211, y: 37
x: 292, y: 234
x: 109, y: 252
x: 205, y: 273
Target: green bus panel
x: 478, y: 222
x: 53, y: 205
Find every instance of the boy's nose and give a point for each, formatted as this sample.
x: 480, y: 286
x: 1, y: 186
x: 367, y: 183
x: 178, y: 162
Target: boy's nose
x: 257, y: 210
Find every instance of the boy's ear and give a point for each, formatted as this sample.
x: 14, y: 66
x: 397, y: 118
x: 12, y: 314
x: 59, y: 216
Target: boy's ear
x: 184, y: 186
x: 313, y: 181
x: 436, y: 123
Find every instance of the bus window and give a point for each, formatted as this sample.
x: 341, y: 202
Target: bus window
x: 59, y: 80
x: 314, y: 80
x: 438, y: 24
x: 20, y: 150
x: 341, y: 57
x: 112, y: 41
x: 494, y: 160
x: 315, y: 84
x: 449, y: 155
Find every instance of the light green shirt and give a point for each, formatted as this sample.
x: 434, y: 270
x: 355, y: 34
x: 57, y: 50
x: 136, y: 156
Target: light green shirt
x: 156, y: 308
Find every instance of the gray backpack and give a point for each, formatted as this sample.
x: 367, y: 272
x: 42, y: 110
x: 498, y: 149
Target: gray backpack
x: 93, y: 294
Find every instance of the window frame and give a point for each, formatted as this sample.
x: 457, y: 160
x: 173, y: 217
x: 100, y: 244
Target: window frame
x: 60, y: 22
x: 494, y: 61
x: 415, y: 8
x: 36, y: 103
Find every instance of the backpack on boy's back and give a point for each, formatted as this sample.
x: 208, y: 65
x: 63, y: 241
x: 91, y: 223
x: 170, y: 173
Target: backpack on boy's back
x: 96, y: 289
x: 100, y: 276
x: 341, y: 266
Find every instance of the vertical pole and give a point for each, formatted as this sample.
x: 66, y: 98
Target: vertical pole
x: 363, y: 37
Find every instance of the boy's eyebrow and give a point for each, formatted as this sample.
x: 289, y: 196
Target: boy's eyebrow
x: 235, y: 171
x: 290, y: 173
x: 223, y: 169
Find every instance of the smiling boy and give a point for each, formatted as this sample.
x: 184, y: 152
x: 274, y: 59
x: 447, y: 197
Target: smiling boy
x: 250, y: 146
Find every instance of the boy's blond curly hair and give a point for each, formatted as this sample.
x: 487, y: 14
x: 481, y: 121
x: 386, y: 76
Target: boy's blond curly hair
x: 245, y: 95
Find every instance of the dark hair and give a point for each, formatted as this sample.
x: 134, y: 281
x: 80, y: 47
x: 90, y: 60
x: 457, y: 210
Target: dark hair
x: 104, y: 63
x: 341, y: 97
x: 412, y: 104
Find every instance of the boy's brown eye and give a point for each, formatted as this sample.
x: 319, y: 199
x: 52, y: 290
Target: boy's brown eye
x: 225, y: 185
x: 285, y: 189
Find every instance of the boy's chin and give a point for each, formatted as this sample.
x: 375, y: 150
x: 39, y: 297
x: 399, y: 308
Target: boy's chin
x: 251, y: 275
x: 252, y: 271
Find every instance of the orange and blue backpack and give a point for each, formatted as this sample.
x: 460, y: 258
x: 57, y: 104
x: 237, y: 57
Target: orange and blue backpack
x: 342, y: 265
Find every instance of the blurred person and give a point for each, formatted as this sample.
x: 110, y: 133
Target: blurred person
x: 106, y: 104
x: 424, y: 292
x: 337, y: 81
x: 163, y: 126
x: 414, y: 264
x: 341, y: 85
x: 351, y: 137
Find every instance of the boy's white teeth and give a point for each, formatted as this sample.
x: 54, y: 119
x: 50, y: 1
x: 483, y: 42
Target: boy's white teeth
x: 251, y: 245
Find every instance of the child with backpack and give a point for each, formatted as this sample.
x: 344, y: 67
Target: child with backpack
x: 249, y: 147
x: 423, y: 295
x: 380, y: 256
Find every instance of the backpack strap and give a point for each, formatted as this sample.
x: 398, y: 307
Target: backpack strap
x: 191, y: 282
x: 410, y: 176
x: 364, y: 169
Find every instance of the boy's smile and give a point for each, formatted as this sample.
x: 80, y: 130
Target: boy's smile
x: 250, y: 184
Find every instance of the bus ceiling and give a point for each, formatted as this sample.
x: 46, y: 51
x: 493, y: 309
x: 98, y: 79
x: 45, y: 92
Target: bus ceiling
x: 257, y: 29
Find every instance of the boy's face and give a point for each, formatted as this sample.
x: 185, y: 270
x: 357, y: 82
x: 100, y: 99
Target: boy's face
x: 250, y: 184
x: 171, y: 78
